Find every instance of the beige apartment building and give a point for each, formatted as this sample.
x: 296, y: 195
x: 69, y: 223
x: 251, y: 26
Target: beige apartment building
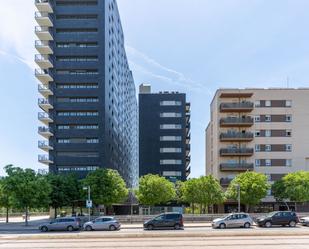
x: 265, y: 130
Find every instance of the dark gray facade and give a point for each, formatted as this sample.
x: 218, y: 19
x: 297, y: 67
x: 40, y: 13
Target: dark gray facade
x: 164, y: 134
x: 89, y: 106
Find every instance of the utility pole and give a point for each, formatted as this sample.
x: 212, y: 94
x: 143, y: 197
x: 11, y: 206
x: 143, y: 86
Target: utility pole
x: 238, y: 196
x: 88, y: 202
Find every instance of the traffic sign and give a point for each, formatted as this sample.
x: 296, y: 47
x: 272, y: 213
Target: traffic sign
x: 89, y: 203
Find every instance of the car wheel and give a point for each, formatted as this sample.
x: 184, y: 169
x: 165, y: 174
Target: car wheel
x: 292, y: 223
x: 150, y: 227
x: 177, y: 227
x: 268, y: 224
x: 247, y: 225
x: 222, y: 226
x: 88, y: 228
x: 70, y: 228
x: 44, y: 229
x: 112, y: 228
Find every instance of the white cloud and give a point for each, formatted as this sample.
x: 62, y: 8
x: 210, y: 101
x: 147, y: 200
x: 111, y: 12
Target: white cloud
x: 17, y: 30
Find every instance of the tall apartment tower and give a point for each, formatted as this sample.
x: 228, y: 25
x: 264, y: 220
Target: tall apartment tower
x: 164, y: 134
x: 265, y: 130
x: 89, y: 107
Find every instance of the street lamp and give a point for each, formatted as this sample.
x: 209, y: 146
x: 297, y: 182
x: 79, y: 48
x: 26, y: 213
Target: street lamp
x: 88, y: 202
x: 238, y: 195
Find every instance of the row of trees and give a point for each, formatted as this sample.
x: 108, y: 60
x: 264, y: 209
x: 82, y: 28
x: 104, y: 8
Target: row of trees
x: 24, y: 189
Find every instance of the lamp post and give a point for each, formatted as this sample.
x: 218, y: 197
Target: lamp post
x: 238, y: 196
x: 88, y: 202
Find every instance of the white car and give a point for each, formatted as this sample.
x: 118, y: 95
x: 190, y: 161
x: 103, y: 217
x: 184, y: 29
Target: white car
x: 233, y: 220
x: 304, y: 221
x: 102, y: 223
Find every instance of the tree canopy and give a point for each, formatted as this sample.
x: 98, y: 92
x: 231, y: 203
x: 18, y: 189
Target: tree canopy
x: 297, y: 186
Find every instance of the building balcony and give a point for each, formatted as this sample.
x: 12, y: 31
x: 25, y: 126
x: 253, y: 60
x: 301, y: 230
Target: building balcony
x: 236, y: 137
x: 236, y: 152
x: 188, y: 171
x: 43, y: 61
x: 44, y: 19
x: 44, y: 6
x: 45, y: 91
x: 188, y: 160
x: 225, y: 182
x: 45, y: 159
x: 45, y: 118
x: 44, y: 33
x: 43, y: 47
x: 188, y: 149
x: 44, y: 76
x: 45, y: 104
x: 188, y: 107
x: 237, y: 107
x: 188, y: 116
x: 236, y: 122
x: 241, y: 166
x: 45, y: 145
x: 188, y: 138
x: 237, y: 94
x: 45, y: 132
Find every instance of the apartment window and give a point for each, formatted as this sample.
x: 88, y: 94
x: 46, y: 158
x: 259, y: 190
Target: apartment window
x: 170, y: 115
x: 77, y: 58
x: 170, y: 150
x: 268, y: 103
x: 63, y: 127
x: 77, y: 168
x: 268, y: 147
x: 172, y: 173
x: 257, y: 119
x: 170, y: 162
x: 257, y: 147
x: 257, y: 133
x: 257, y: 162
x: 288, y: 103
x: 288, y: 162
x: 268, y: 162
x: 288, y: 118
x: 77, y: 114
x: 86, y: 127
x: 77, y: 45
x: 170, y: 138
x: 267, y: 118
x: 76, y: 17
x: 92, y: 141
x: 77, y: 31
x: 288, y: 147
x: 76, y: 3
x: 170, y: 103
x: 77, y: 72
x: 257, y: 103
x: 78, y: 154
x: 288, y: 133
x: 78, y: 100
x: 267, y: 133
x: 78, y: 86
x: 170, y: 126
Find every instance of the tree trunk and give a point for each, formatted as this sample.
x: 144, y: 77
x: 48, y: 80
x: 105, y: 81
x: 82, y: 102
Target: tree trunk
x: 73, y: 209
x: 247, y: 208
x: 193, y: 208
x: 295, y: 206
x: 7, y: 215
x: 55, y: 214
x: 213, y: 209
x: 26, y: 218
x: 81, y: 211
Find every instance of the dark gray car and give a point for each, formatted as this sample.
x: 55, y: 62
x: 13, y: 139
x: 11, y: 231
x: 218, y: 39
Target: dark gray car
x: 62, y: 224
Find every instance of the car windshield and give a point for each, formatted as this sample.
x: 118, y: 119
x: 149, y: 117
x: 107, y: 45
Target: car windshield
x: 271, y: 214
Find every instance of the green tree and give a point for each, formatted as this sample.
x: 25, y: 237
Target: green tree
x: 73, y: 191
x: 107, y: 187
x: 28, y: 189
x: 189, y: 192
x: 5, y: 198
x: 297, y: 186
x: 253, y: 188
x: 278, y: 190
x: 209, y: 191
x: 155, y: 190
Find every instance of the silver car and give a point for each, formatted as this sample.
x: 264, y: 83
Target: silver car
x: 233, y: 220
x: 61, y: 224
x: 102, y: 223
x: 304, y: 221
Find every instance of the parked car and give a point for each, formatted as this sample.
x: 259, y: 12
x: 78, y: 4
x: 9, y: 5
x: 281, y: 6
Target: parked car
x: 304, y: 221
x: 233, y: 220
x: 102, y: 223
x: 62, y: 224
x: 280, y: 218
x: 167, y: 220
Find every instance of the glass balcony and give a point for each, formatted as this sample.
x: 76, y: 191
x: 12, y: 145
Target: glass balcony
x: 44, y: 47
x: 45, y: 91
x: 43, y: 61
x: 44, y: 33
x: 236, y: 152
x: 45, y: 132
x: 44, y: 19
x: 236, y: 122
x: 245, y: 106
x: 45, y: 159
x: 45, y: 145
x: 236, y: 166
x: 45, y: 104
x: 44, y: 76
x: 45, y: 118
x: 44, y: 5
x: 236, y: 136
x: 225, y: 182
x: 188, y: 171
x: 188, y: 160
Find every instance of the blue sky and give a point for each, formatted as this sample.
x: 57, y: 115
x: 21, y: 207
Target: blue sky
x: 192, y: 46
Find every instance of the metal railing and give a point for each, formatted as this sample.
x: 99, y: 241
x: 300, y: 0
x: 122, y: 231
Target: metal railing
x: 237, y: 166
x: 39, y: 43
x: 43, y: 129
x: 39, y: 14
x: 232, y: 120
x: 44, y: 144
x: 45, y: 158
x: 42, y: 29
x: 240, y: 105
x: 43, y: 115
x: 237, y: 135
x: 236, y: 151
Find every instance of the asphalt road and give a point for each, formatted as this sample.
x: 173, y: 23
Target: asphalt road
x: 273, y: 242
